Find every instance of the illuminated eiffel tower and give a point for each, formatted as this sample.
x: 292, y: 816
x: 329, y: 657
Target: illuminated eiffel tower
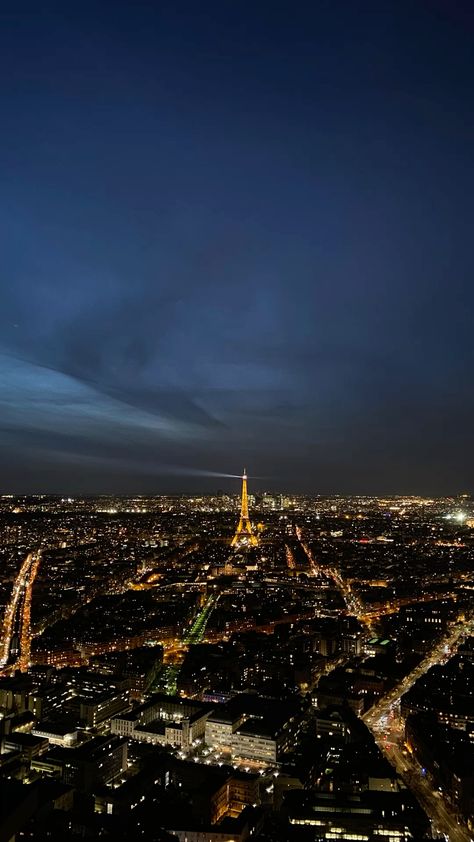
x: 244, y: 535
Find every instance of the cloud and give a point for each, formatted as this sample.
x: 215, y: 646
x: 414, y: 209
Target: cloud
x: 39, y: 398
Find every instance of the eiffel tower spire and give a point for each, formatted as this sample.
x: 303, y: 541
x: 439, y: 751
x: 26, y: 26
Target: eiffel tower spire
x: 244, y: 535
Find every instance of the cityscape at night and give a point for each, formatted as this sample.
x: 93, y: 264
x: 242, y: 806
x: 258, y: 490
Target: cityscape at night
x: 236, y: 421
x: 234, y: 666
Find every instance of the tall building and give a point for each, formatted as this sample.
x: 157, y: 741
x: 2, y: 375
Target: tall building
x: 244, y: 534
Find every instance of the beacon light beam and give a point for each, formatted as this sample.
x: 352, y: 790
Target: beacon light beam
x: 199, y: 472
x: 196, y: 472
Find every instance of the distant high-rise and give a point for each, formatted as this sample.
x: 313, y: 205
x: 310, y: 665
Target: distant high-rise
x: 244, y: 535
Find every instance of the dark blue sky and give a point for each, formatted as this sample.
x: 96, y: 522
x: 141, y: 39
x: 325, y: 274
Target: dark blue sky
x: 237, y: 233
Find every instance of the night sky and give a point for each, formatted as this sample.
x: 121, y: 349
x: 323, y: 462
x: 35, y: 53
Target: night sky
x: 237, y: 233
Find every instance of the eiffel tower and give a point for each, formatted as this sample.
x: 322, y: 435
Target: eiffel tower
x: 244, y: 536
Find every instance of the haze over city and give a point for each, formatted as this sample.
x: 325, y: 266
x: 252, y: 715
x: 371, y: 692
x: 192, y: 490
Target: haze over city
x: 236, y: 236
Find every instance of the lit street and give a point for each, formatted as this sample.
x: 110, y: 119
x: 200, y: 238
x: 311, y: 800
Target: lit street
x: 388, y: 730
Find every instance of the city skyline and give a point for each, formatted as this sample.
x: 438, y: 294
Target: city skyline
x: 151, y: 650
x: 235, y: 237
